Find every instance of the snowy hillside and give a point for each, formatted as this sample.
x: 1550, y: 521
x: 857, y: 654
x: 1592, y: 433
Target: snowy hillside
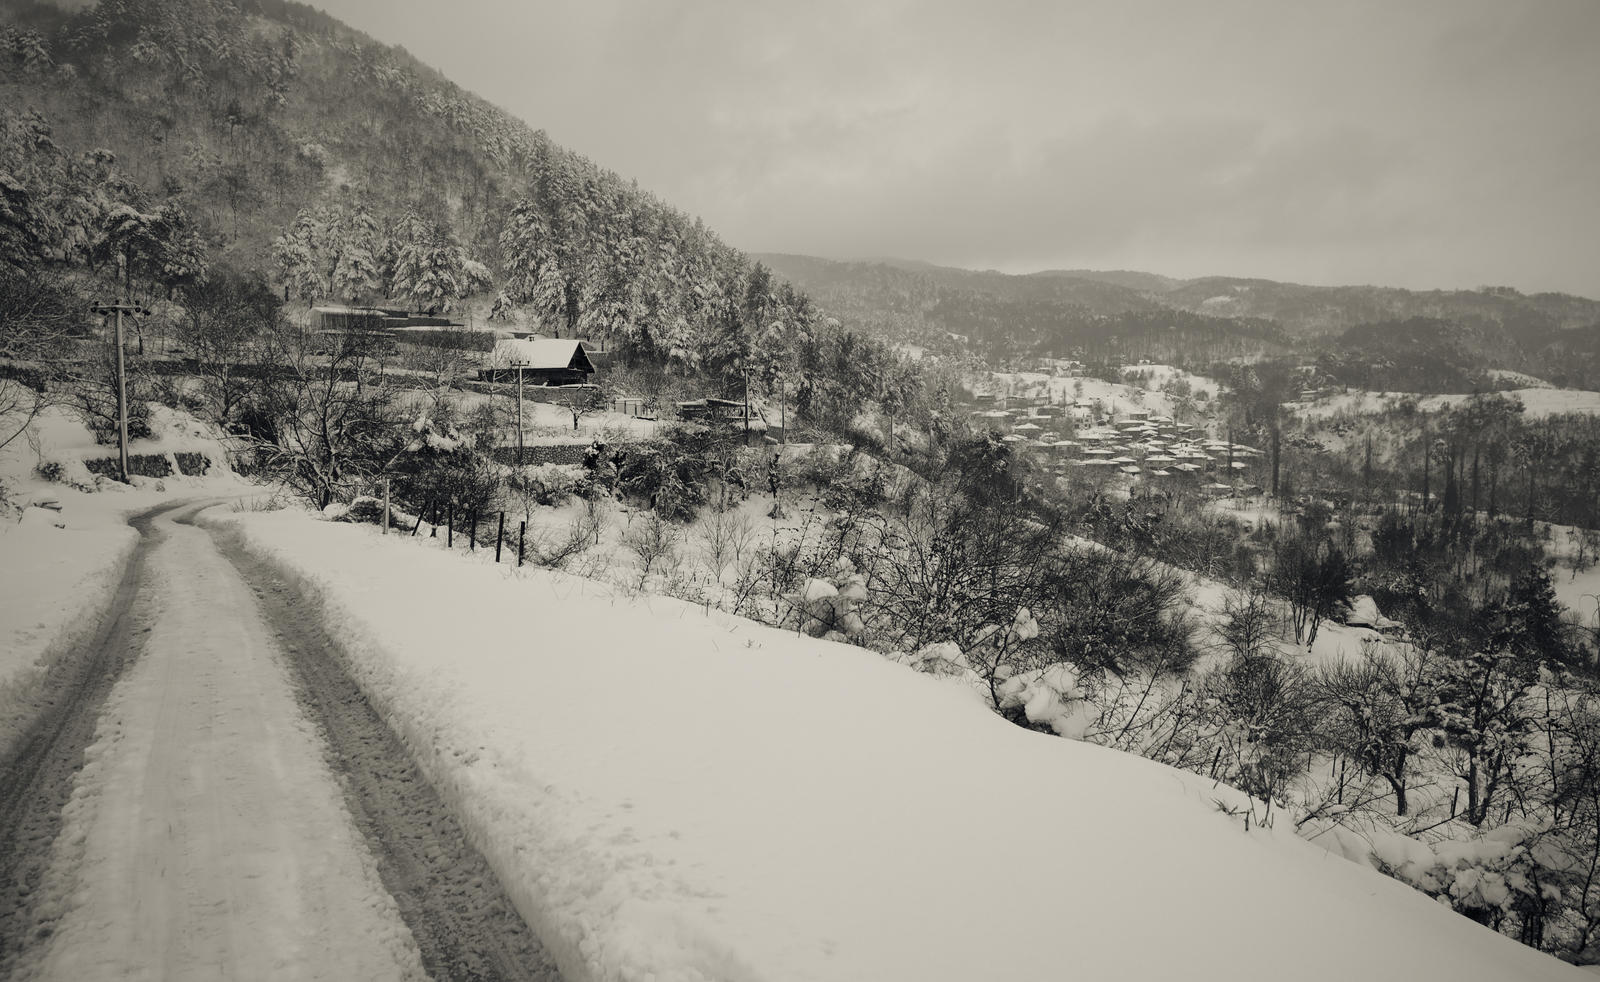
x: 677, y: 795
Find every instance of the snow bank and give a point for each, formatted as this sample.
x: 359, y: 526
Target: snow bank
x: 54, y: 585
x: 674, y: 795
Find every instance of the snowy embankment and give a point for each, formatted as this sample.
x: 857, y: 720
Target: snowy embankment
x: 669, y: 794
x: 55, y: 583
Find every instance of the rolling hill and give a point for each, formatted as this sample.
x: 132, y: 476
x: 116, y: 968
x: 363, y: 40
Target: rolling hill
x: 1432, y: 340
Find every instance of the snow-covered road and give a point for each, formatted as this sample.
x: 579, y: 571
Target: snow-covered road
x: 206, y: 836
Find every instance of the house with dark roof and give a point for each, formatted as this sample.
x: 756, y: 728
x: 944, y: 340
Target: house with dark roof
x: 541, y: 361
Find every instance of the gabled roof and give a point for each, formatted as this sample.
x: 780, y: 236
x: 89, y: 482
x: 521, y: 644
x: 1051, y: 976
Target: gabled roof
x: 541, y: 353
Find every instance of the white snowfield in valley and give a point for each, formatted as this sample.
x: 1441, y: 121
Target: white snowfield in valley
x: 1537, y: 402
x: 206, y: 838
x: 669, y: 795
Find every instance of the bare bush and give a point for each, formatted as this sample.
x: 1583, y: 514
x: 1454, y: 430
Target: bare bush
x: 655, y: 541
x: 593, y: 520
x: 553, y: 551
x: 1251, y: 622
x: 727, y: 536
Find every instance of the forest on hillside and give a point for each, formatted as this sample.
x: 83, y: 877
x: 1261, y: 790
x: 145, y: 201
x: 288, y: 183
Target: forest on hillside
x: 180, y: 137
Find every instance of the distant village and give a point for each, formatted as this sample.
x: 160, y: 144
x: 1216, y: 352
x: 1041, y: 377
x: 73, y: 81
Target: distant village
x: 1116, y: 443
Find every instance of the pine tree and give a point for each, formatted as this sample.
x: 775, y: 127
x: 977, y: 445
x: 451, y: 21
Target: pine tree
x: 294, y: 258
x: 1531, y: 616
x: 21, y: 226
x: 532, y: 274
x: 357, y: 272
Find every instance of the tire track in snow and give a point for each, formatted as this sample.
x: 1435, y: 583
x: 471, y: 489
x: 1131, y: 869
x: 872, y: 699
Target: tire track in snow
x: 38, y: 771
x: 448, y: 896
x: 205, y: 837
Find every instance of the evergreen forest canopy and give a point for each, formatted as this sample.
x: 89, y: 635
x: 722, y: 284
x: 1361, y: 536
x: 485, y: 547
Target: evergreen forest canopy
x: 154, y: 141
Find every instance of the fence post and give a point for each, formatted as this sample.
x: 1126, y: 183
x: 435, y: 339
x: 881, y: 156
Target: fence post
x: 499, y: 537
x: 472, y: 528
x: 450, y: 525
x: 420, y: 513
x: 522, y: 530
x: 384, y: 528
x: 433, y: 523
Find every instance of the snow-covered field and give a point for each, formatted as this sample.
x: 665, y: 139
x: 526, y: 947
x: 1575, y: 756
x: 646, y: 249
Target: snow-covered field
x: 546, y: 423
x: 1116, y: 396
x: 1158, y: 376
x: 1521, y: 380
x: 674, y: 794
x: 1537, y: 402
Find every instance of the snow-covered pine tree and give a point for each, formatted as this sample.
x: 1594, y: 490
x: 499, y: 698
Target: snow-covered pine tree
x: 357, y: 271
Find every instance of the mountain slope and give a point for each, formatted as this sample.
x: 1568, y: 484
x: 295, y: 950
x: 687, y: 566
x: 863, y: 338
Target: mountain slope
x: 1007, y: 315
x: 1434, y: 341
x: 262, y: 135
x: 1329, y: 309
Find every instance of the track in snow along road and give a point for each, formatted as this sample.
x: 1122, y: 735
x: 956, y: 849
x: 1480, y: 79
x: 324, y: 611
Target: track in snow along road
x: 451, y: 900
x: 37, y: 771
x: 240, y: 805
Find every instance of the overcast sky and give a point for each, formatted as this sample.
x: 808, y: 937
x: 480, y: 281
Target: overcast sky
x: 1448, y: 143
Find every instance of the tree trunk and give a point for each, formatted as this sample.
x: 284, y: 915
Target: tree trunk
x: 1427, y: 461
x: 1475, y: 484
x: 1473, y: 818
x: 1399, y: 788
x: 1276, y: 457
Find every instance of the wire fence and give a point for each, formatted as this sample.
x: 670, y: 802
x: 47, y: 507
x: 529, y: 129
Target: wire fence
x: 509, y: 544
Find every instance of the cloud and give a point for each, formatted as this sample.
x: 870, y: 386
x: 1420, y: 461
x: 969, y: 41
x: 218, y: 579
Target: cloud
x: 1438, y: 143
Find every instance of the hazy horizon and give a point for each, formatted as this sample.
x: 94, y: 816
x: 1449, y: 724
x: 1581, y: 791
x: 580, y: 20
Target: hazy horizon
x: 1429, y: 145
x: 1153, y: 272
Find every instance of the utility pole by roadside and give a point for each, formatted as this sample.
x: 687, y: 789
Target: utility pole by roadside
x: 520, y: 458
x: 118, y: 309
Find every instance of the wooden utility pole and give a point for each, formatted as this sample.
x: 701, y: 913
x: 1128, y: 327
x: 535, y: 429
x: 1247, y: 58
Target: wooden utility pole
x: 883, y: 403
x: 1277, y: 438
x: 520, y: 458
x: 1427, y: 463
x: 118, y: 309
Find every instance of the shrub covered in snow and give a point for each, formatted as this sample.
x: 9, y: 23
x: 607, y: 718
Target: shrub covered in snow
x: 436, y: 467
x: 824, y: 607
x: 675, y: 475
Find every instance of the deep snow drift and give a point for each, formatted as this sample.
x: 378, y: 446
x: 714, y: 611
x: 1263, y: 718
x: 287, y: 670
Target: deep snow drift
x: 669, y: 794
